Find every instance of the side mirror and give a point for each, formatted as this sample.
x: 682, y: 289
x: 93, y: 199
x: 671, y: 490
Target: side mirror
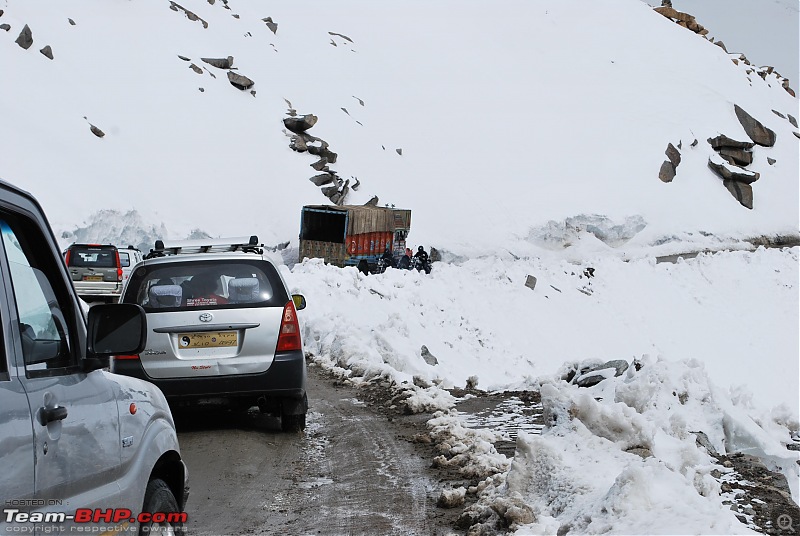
x: 299, y: 301
x: 119, y: 328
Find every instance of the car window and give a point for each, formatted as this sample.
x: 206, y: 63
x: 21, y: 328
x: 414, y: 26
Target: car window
x: 44, y: 332
x: 208, y: 285
x: 92, y: 257
x: 124, y: 259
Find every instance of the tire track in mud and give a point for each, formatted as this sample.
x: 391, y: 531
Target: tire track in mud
x: 350, y: 472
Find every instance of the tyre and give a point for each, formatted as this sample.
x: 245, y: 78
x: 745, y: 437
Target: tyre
x: 158, y: 498
x: 293, y: 423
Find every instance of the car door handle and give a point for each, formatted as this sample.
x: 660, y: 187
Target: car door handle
x: 48, y: 415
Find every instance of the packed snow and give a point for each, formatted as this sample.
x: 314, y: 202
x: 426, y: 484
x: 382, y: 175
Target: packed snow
x: 527, y: 140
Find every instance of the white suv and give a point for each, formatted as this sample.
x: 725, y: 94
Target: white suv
x: 128, y: 258
x: 222, y: 329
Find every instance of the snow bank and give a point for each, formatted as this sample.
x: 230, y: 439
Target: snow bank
x: 623, y: 455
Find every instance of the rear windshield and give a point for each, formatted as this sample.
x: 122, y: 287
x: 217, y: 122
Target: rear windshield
x: 93, y: 257
x: 186, y: 286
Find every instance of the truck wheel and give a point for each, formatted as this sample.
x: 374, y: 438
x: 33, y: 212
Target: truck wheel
x: 159, y: 500
x: 293, y: 423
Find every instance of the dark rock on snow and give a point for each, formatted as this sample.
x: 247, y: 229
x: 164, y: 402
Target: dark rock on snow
x: 300, y: 124
x: 220, y: 63
x: 25, y: 39
x: 741, y: 191
x: 240, y: 81
x: 47, y: 51
x: 755, y: 130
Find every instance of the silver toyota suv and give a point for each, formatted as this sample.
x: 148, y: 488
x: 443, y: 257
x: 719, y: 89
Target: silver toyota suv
x: 81, y: 449
x: 222, y: 329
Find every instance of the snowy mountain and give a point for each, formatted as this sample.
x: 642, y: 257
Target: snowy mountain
x: 530, y: 140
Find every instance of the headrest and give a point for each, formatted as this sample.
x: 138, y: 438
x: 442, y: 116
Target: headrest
x: 166, y: 296
x: 243, y: 290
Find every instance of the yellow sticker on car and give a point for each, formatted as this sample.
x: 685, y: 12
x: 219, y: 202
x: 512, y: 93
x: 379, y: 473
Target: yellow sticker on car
x: 209, y: 339
x: 93, y: 278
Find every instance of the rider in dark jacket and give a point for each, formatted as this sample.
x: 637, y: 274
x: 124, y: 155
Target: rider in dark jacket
x: 422, y: 260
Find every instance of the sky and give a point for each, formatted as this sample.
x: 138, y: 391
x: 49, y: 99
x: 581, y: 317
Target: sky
x: 531, y: 135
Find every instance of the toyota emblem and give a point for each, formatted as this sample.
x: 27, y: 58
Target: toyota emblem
x: 206, y: 317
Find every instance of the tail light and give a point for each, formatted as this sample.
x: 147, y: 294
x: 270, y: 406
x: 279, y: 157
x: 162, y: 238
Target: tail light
x: 66, y: 258
x: 119, y: 267
x: 120, y: 357
x: 289, y: 336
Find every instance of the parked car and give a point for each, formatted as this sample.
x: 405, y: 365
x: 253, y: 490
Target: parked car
x: 223, y: 329
x: 74, y: 437
x: 128, y: 258
x: 96, y: 271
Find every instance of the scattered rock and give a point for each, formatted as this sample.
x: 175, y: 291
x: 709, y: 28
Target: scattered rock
x: 240, y: 81
x: 71, y: 22
x: 667, y: 171
x: 300, y: 124
x: 530, y: 282
x: 428, y: 357
x: 202, y: 90
x: 743, y: 192
x: 321, y: 165
x: 47, y: 51
x: 96, y: 131
x: 757, y: 132
x: 271, y: 25
x: 220, y: 63
x: 373, y: 202
x: 323, y: 179
x: 776, y: 112
x: 724, y: 141
x: 771, y: 161
x: 737, y: 157
x: 25, y: 39
x: 184, y: 58
x: 702, y: 440
x: 731, y: 172
x: 5, y: 27
x: 189, y: 15
x: 721, y: 45
x: 593, y: 374
x: 673, y: 154
x: 399, y: 151
x: 792, y: 120
x: 341, y: 35
x: 674, y: 14
x: 196, y: 69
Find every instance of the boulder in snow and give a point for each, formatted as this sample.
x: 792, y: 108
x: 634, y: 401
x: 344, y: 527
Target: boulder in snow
x: 742, y: 191
x: 240, y: 81
x: 755, y: 130
x: 220, y: 63
x: 731, y: 172
x: 300, y: 124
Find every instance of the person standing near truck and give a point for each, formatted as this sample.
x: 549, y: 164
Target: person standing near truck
x: 405, y: 261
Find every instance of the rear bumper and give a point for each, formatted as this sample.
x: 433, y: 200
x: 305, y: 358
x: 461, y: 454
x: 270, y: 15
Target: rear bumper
x: 285, y: 378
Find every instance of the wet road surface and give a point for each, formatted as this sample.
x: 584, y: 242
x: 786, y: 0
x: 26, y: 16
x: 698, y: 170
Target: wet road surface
x: 351, y: 472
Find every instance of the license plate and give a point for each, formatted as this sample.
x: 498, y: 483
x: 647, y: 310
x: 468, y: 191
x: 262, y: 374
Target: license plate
x: 93, y: 278
x: 208, y: 339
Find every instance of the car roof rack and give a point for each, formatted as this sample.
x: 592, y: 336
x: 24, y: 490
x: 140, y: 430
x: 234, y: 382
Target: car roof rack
x: 210, y: 245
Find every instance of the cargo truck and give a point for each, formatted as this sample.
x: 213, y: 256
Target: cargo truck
x: 342, y: 235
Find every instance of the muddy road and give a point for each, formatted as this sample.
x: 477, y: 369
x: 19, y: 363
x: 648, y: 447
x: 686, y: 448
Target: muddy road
x: 353, y: 471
